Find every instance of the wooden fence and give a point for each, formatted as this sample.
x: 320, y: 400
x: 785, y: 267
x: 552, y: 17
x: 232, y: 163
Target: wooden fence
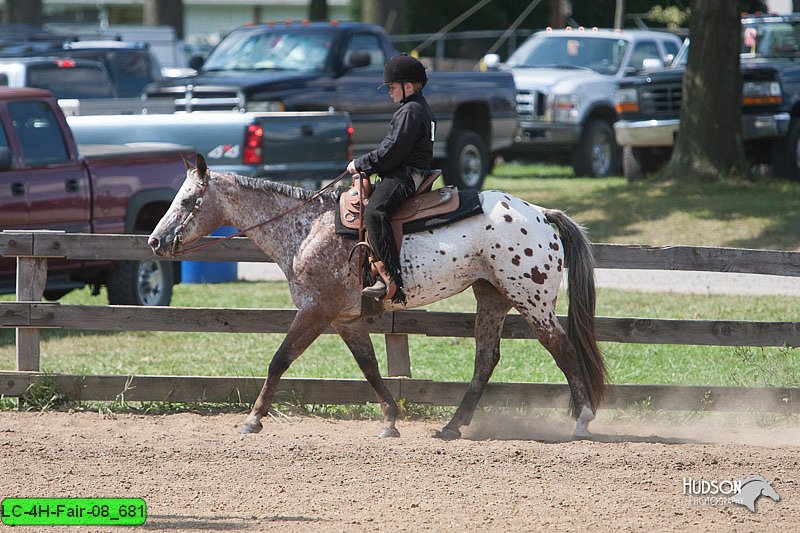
x: 28, y: 314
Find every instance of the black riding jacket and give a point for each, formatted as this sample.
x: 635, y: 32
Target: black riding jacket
x: 408, y: 143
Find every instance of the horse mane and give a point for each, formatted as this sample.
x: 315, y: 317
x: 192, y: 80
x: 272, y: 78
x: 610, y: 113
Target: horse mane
x: 261, y: 184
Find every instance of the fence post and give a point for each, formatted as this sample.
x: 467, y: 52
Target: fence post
x: 31, y: 279
x: 398, y: 362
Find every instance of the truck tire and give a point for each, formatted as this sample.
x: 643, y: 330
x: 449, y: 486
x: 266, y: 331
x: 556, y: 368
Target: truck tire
x: 638, y: 162
x: 140, y: 283
x: 786, y: 154
x: 597, y: 154
x: 467, y: 160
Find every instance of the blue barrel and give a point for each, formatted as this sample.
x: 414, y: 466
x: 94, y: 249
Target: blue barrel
x: 210, y: 271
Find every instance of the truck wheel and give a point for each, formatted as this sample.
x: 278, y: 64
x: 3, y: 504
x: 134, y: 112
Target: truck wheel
x: 786, y: 154
x: 140, y: 283
x: 597, y: 154
x: 467, y: 160
x: 638, y: 162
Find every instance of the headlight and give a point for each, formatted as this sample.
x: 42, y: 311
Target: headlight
x: 626, y: 101
x: 761, y: 93
x: 267, y: 106
x: 564, y: 108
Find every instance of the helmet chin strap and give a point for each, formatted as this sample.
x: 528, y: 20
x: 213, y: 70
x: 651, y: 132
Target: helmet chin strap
x: 403, y: 88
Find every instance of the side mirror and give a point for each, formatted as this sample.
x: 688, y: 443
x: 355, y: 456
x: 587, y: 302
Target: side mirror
x: 492, y: 61
x: 6, y: 159
x: 196, y: 62
x: 358, y: 60
x: 652, y: 63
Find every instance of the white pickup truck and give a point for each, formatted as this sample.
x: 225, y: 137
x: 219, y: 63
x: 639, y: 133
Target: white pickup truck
x: 566, y: 80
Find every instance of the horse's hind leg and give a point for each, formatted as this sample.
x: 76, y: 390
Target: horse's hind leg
x: 356, y: 337
x: 308, y: 324
x: 491, y: 313
x: 555, y: 340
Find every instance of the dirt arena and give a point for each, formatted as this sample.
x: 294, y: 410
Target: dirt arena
x: 310, y: 474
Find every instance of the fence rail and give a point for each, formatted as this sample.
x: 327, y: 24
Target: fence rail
x: 29, y: 315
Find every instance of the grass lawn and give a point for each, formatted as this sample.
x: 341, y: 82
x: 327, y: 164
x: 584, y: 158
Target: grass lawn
x: 751, y: 215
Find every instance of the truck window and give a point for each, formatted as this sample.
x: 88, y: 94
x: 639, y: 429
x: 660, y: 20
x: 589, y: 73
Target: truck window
x: 579, y: 52
x: 671, y: 48
x: 130, y: 70
x: 39, y: 133
x: 369, y: 43
x: 65, y: 79
x: 301, y: 51
x: 642, y: 51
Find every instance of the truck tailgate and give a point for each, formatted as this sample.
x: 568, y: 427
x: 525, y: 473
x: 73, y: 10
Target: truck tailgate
x: 293, y: 146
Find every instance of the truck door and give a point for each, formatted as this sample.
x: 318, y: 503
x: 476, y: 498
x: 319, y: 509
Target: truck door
x: 13, y: 193
x: 357, y: 92
x: 57, y: 187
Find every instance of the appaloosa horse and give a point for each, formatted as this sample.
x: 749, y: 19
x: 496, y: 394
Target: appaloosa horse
x: 510, y: 255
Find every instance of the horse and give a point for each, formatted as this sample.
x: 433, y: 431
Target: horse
x: 510, y: 255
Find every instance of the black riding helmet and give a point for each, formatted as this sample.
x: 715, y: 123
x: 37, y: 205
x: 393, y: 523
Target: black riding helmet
x: 404, y: 68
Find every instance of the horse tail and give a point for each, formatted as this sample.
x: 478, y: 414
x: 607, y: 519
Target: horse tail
x: 580, y: 317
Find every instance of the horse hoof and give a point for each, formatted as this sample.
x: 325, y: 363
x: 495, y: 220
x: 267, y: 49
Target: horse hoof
x: 448, y: 434
x: 582, y: 435
x: 250, y: 427
x: 389, y: 433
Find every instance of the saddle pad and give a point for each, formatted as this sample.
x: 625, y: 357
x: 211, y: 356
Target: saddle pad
x: 470, y: 205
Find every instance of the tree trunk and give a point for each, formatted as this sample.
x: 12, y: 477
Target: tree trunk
x: 318, y: 10
x: 23, y: 12
x: 709, y: 144
x: 164, y: 13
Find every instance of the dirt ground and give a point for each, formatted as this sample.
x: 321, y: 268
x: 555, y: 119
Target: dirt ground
x: 509, y: 473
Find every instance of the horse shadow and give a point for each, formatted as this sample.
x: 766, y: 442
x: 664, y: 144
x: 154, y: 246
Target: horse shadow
x: 215, y: 523
x: 554, y: 431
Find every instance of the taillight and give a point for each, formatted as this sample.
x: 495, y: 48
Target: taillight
x: 350, y: 131
x: 252, y: 144
x: 65, y: 63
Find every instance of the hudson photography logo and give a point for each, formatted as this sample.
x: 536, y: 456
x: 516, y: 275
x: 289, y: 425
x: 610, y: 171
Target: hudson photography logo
x: 715, y: 492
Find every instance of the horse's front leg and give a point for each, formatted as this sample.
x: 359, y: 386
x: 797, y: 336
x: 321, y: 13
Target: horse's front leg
x: 356, y: 337
x: 307, y: 325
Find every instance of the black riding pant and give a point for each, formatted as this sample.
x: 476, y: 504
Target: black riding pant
x: 386, y: 198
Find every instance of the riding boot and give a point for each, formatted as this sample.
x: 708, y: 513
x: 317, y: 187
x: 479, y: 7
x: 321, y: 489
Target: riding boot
x: 384, y: 287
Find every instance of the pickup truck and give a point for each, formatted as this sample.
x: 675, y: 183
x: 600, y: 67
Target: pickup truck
x: 82, y: 86
x: 566, y: 80
x: 320, y: 65
x: 48, y: 182
x: 307, y: 148
x: 649, y: 106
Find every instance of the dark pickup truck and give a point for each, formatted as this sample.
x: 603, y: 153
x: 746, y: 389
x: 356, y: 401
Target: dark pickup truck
x: 317, y: 66
x: 47, y: 183
x: 649, y: 106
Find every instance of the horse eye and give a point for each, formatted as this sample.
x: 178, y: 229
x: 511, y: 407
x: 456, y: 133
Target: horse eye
x: 186, y: 202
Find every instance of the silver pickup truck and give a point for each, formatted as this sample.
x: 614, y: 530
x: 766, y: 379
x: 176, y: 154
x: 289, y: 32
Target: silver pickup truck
x: 566, y: 81
x: 302, y: 147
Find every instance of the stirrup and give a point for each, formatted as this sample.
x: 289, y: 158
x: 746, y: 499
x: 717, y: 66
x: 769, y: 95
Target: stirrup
x: 390, y: 287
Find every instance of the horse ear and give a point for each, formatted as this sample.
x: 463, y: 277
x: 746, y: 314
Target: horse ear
x: 202, y: 168
x: 188, y: 164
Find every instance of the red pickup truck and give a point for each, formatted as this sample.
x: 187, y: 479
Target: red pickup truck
x: 48, y: 182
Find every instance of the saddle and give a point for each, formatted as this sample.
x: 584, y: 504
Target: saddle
x: 423, y: 205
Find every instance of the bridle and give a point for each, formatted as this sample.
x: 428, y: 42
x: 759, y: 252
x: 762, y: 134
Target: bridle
x: 199, y: 202
x: 182, y: 226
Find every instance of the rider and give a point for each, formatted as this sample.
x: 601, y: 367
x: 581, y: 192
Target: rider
x: 407, y: 149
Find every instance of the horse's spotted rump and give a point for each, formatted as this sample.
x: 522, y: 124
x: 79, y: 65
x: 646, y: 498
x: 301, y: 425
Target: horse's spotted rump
x: 508, y: 218
x: 528, y: 252
x: 504, y: 204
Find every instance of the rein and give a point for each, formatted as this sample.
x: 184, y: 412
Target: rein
x: 199, y: 202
